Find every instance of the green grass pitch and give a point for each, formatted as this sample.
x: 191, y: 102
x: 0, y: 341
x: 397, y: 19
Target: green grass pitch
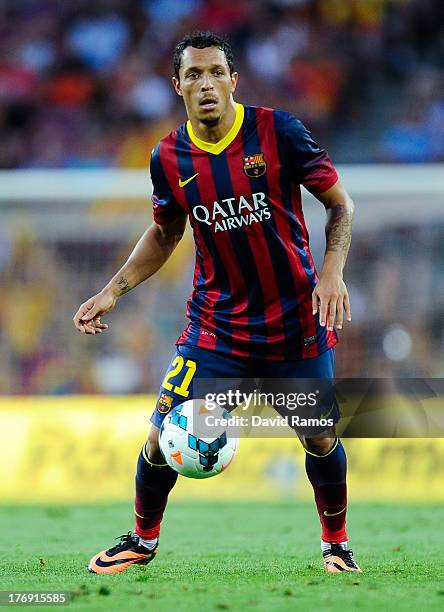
x: 228, y: 556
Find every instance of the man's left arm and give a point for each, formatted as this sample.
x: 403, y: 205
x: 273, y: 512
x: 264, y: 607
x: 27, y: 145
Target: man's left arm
x: 330, y: 296
x: 313, y: 169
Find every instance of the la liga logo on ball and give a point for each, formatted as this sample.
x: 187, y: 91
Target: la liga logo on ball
x: 189, y: 454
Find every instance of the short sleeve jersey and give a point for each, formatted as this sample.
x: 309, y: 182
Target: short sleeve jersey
x: 254, y: 272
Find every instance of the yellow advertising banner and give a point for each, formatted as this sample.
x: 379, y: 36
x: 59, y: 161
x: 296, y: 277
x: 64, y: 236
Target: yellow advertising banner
x: 85, y: 448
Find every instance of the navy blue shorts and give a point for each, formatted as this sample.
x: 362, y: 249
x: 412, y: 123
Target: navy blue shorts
x: 190, y: 362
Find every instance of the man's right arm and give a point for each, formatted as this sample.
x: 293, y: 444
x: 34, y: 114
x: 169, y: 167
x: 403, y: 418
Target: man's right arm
x: 148, y: 256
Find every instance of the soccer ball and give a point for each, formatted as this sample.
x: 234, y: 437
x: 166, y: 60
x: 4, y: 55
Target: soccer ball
x: 192, y: 456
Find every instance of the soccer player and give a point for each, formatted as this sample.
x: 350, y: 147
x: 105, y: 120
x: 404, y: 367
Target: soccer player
x: 258, y: 307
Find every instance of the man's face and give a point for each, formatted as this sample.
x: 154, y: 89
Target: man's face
x: 205, y: 83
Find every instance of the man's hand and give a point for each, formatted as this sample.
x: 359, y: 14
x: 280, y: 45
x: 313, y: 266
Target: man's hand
x: 88, y: 317
x: 330, y: 299
x: 330, y: 296
x: 150, y: 253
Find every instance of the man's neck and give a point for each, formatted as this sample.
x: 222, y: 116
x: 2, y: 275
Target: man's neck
x: 215, y: 133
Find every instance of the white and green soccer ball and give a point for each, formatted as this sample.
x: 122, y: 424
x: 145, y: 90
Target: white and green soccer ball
x: 189, y: 454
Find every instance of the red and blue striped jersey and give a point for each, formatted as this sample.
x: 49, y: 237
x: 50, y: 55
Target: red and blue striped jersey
x: 254, y: 273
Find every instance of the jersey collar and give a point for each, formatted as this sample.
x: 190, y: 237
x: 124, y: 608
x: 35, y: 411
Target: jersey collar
x: 218, y: 147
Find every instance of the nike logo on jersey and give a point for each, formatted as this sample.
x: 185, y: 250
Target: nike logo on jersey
x: 186, y: 181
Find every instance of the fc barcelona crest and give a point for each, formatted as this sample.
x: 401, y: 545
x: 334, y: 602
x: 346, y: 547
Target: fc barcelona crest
x: 165, y: 403
x: 255, y: 165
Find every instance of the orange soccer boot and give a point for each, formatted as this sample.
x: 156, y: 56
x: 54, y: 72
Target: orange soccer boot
x: 118, y: 558
x: 338, y: 559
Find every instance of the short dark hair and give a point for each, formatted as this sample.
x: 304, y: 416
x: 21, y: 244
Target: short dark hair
x: 202, y: 40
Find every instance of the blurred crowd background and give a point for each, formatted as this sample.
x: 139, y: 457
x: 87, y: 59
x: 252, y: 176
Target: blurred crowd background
x: 86, y: 85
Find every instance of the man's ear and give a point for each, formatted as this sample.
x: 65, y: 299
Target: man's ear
x: 176, y: 85
x: 234, y: 78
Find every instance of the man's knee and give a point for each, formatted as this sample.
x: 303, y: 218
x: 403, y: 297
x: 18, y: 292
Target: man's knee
x: 320, y: 445
x: 152, y: 446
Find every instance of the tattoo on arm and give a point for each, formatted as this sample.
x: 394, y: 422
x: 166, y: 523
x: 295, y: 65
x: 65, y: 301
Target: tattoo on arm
x: 122, y: 283
x: 338, y: 230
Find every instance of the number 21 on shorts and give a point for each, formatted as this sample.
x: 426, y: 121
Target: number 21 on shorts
x: 178, y: 364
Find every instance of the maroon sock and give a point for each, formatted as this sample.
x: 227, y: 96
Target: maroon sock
x: 327, y: 475
x: 153, y: 484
